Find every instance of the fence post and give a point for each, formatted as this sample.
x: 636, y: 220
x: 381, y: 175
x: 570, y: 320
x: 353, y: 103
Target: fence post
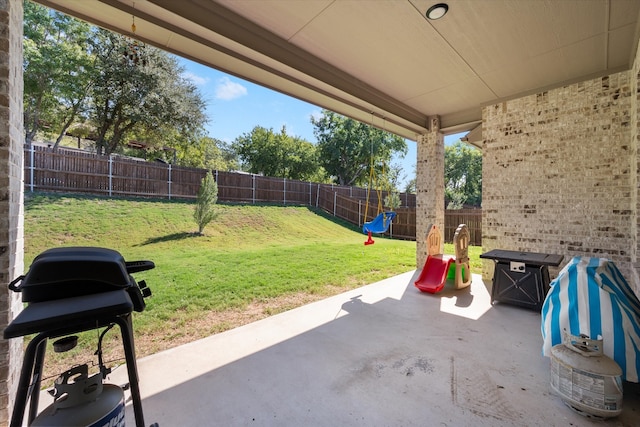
x: 284, y: 191
x: 217, y: 181
x: 335, y: 202
x: 318, y: 196
x: 31, y: 159
x: 310, y: 190
x: 169, y: 183
x: 110, y: 174
x: 359, y: 211
x: 253, y: 189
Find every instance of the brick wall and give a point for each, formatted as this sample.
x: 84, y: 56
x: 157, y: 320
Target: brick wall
x: 559, y: 172
x: 635, y: 168
x: 11, y: 195
x: 430, y: 187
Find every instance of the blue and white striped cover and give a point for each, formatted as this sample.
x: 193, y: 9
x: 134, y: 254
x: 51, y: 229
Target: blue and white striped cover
x: 590, y: 296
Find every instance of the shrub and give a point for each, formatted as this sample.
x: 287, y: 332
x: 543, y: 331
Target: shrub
x: 205, y: 211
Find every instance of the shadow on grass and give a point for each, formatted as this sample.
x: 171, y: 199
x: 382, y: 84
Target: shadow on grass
x: 169, y: 238
x: 335, y: 220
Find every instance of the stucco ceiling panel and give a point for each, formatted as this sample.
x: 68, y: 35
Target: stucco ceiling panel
x: 396, y: 49
x: 358, y: 56
x: 622, y: 13
x: 445, y: 100
x: 524, y: 76
x: 497, y: 33
x: 284, y: 18
x: 493, y: 34
x: 620, y: 46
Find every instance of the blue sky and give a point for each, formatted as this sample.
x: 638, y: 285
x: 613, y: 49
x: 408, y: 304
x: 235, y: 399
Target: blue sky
x: 236, y: 106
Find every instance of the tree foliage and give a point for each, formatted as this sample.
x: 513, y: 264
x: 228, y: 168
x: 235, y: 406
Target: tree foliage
x: 347, y: 148
x: 262, y: 151
x: 207, y: 153
x: 149, y: 94
x: 462, y: 175
x: 57, y: 67
x: 392, y: 200
x: 205, y: 210
x: 80, y: 79
x: 411, y: 186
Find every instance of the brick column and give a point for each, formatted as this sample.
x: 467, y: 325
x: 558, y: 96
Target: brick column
x: 430, y: 187
x: 635, y: 171
x: 11, y: 193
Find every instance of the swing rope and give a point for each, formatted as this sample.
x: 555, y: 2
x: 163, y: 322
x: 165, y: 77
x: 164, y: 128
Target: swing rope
x: 373, y: 181
x: 381, y: 221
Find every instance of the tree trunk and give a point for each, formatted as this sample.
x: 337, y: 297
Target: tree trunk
x: 100, y: 139
x: 30, y: 132
x: 118, y: 132
x: 74, y: 111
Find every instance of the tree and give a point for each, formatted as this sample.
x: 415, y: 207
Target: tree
x: 347, y: 148
x: 78, y: 74
x: 462, y: 175
x: 146, y: 92
x: 411, y: 185
x: 57, y: 69
x: 207, y: 153
x: 277, y: 154
x: 205, y: 211
x: 392, y: 200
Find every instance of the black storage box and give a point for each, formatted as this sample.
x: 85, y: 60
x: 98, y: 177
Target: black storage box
x: 523, y: 285
x: 521, y: 278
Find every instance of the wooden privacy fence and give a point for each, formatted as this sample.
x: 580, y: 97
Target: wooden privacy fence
x: 353, y: 210
x: 78, y: 171
x: 471, y: 217
x: 68, y: 170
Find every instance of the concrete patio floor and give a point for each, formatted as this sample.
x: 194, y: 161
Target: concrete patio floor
x: 381, y: 355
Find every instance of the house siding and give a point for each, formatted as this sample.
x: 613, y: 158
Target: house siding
x: 560, y: 172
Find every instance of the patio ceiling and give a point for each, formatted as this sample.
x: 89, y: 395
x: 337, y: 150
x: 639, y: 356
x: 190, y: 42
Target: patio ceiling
x: 383, y: 62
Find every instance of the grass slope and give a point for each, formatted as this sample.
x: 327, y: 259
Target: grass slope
x: 252, y: 262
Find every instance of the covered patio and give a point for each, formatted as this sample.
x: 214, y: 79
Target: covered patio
x: 381, y: 355
x: 547, y: 89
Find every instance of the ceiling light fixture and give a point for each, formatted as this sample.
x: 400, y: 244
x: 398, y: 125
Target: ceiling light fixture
x: 437, y: 11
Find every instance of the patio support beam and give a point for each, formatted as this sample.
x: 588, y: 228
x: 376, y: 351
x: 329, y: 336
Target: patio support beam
x: 430, y: 186
x: 11, y: 194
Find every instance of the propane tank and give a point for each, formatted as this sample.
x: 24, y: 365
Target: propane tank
x: 85, y: 401
x: 585, y: 379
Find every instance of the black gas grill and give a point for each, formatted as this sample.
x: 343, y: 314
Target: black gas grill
x: 70, y: 290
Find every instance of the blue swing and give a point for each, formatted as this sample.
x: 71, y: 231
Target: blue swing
x: 380, y: 224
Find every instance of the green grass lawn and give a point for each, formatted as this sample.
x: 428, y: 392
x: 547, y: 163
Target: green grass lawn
x: 253, y: 261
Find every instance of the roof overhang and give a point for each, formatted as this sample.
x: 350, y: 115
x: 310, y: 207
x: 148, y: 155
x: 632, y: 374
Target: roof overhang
x: 384, y: 62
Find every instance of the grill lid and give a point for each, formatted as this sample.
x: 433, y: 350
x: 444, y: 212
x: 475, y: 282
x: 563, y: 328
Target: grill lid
x: 75, y: 271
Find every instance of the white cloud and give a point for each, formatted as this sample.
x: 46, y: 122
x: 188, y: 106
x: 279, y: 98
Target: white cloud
x: 228, y: 90
x: 195, y: 79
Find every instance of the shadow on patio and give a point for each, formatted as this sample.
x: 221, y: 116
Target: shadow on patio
x: 381, y: 355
